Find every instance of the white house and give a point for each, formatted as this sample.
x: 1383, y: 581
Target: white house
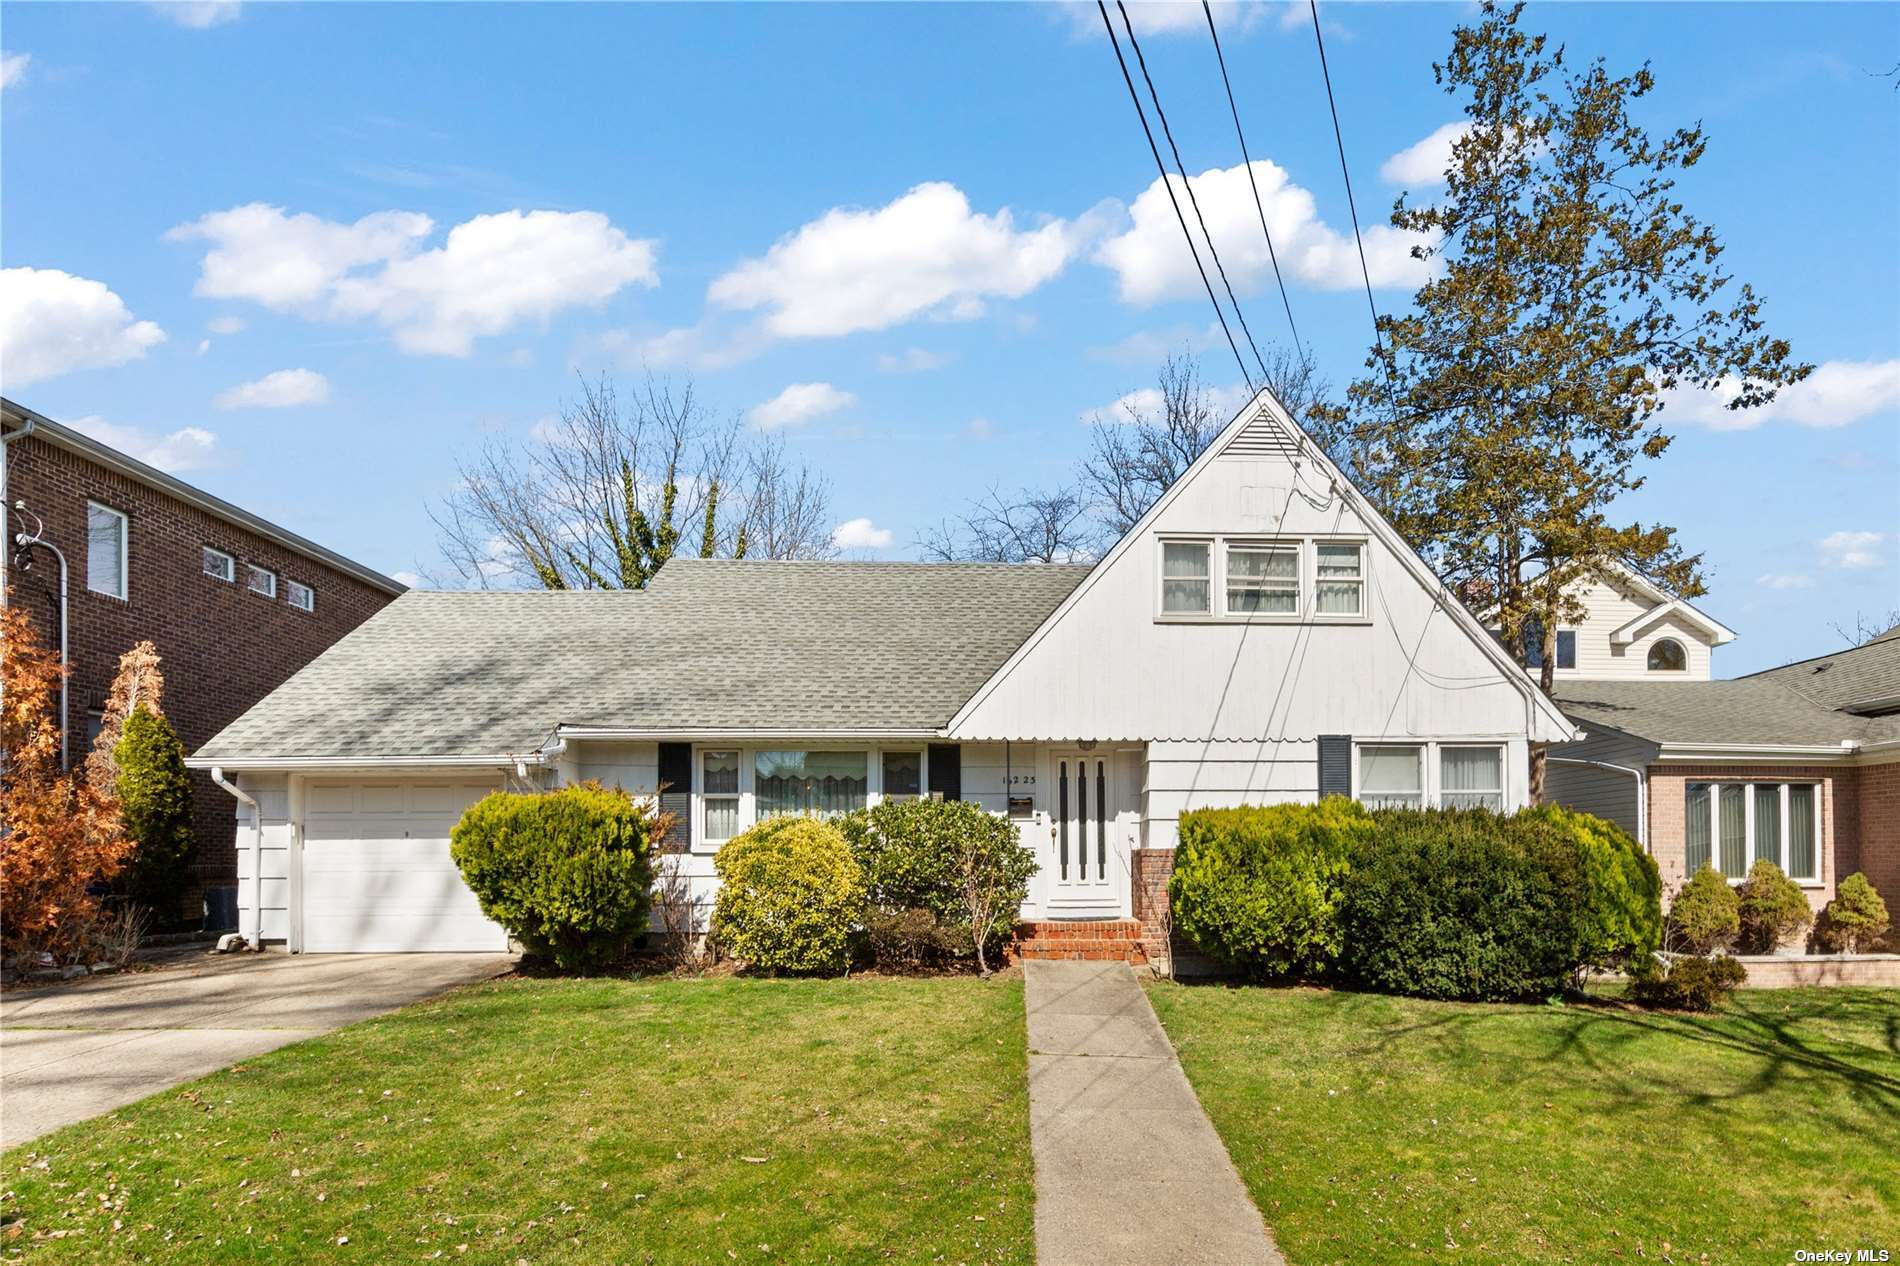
x: 1262, y: 635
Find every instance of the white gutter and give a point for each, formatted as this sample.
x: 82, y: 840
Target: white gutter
x: 257, y: 856
x: 1682, y: 753
x: 500, y: 760
x: 1642, y: 790
x: 735, y: 732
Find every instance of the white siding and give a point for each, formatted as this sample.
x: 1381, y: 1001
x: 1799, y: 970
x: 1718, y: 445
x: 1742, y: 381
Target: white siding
x: 1107, y: 668
x: 634, y: 767
x: 1609, y: 609
x: 272, y: 793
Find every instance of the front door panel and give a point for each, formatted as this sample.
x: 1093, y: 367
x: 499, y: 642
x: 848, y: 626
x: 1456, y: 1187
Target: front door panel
x: 1088, y: 857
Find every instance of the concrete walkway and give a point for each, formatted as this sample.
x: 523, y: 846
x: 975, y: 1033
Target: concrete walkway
x: 1129, y: 1170
x: 68, y: 1052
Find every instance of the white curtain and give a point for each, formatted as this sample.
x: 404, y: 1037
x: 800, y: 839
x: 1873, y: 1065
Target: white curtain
x: 1184, y: 576
x: 1801, y: 857
x: 1389, y: 777
x: 1471, y: 778
x: 1700, y: 833
x: 820, y: 783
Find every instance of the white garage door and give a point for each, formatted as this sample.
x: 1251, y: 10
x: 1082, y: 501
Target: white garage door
x: 377, y: 875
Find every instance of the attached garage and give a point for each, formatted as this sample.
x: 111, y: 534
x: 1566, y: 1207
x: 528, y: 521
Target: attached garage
x: 377, y: 875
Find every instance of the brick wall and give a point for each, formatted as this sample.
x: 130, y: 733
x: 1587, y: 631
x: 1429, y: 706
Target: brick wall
x: 1840, y: 817
x: 223, y: 648
x: 1878, y: 803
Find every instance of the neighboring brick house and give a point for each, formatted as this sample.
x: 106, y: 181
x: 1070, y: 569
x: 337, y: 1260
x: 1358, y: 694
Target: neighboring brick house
x: 233, y: 603
x: 1798, y: 764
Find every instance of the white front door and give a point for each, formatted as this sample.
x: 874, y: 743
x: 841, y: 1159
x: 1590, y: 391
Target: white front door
x: 1088, y: 861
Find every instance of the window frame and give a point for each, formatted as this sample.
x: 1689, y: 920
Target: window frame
x: 1751, y: 850
x: 1500, y: 791
x: 208, y: 552
x: 1207, y: 543
x: 703, y: 839
x: 1649, y: 655
x: 252, y: 572
x: 923, y: 775
x: 1418, y: 750
x: 291, y: 588
x: 124, y: 521
x: 1534, y: 652
x: 1358, y: 582
x: 700, y: 842
x: 1277, y: 584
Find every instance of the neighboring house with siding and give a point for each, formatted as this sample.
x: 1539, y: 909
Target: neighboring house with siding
x: 234, y: 604
x: 1799, y: 765
x: 1260, y: 636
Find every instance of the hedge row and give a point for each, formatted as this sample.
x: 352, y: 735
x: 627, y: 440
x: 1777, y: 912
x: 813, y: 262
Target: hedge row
x: 1433, y: 903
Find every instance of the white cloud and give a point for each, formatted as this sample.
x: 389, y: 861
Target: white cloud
x: 860, y: 534
x: 1785, y: 580
x: 1424, y: 162
x: 13, y: 67
x: 1148, y: 348
x: 708, y: 345
x: 799, y: 404
x: 52, y: 323
x: 1152, y: 262
x: 981, y: 428
x: 409, y: 578
x: 226, y: 325
x: 926, y: 253
x: 188, y: 448
x: 912, y: 360
x: 1853, y: 551
x: 285, y: 389
x: 1148, y: 402
x: 1168, y: 17
x: 204, y: 345
x: 1837, y: 393
x: 199, y: 14
x: 491, y: 273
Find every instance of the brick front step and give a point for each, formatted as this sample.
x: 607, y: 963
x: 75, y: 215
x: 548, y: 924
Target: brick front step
x: 1094, y: 940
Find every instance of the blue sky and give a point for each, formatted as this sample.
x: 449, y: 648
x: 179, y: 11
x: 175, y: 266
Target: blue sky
x: 305, y: 254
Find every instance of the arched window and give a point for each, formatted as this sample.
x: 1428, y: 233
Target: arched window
x: 1667, y: 656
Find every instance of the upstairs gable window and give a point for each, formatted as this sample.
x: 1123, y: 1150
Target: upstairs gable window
x: 1263, y: 580
x: 1534, y: 646
x: 1667, y: 656
x: 1184, y: 577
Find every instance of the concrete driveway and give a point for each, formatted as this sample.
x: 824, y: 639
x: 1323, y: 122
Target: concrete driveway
x: 68, y: 1052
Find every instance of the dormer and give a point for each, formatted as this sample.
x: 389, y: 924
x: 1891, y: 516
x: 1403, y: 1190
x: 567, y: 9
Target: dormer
x: 1632, y: 630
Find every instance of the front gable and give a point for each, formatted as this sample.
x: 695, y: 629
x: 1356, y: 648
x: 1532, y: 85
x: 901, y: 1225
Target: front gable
x: 1269, y: 510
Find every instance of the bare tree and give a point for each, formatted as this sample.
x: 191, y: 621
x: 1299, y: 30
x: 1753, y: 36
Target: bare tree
x: 1866, y: 628
x: 1136, y: 457
x: 601, y: 496
x: 787, y: 511
x: 1033, y: 526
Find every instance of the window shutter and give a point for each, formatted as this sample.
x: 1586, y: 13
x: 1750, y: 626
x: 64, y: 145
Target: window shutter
x: 676, y: 793
x: 1335, y: 765
x: 946, y: 770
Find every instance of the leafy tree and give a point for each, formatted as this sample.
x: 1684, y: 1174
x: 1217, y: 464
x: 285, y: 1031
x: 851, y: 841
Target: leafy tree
x: 1502, y: 418
x: 155, y: 804
x: 61, y: 832
x: 137, y: 682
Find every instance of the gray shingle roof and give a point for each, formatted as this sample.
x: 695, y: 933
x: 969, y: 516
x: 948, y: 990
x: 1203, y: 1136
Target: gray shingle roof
x: 1798, y: 704
x: 813, y: 646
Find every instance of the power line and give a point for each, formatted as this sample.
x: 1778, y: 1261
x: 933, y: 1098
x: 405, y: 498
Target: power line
x: 1339, y: 140
x: 1248, y: 159
x: 1189, y: 185
x: 1162, y: 168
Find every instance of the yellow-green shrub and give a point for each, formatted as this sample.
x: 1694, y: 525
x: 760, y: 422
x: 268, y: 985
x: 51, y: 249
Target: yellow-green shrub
x: 567, y: 872
x: 1621, y: 916
x: 1773, y: 908
x: 1856, y: 919
x: 1706, y: 913
x: 790, y: 896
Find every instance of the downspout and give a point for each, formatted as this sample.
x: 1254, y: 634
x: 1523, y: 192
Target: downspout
x: 65, y: 663
x: 1642, y: 790
x: 7, y: 438
x: 257, y: 854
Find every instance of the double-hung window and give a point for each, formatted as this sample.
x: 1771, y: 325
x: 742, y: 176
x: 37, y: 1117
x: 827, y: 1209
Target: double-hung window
x: 1392, y: 777
x: 105, y: 550
x: 1731, y: 825
x: 219, y: 565
x: 1471, y: 778
x: 1534, y: 646
x: 1263, y: 579
x: 1185, y: 588
x: 261, y: 581
x: 719, y: 796
x: 1339, y: 584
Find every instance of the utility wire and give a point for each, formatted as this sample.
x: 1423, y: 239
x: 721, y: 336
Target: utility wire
x: 1189, y: 186
x: 1162, y: 168
x: 1248, y: 159
x: 1340, y: 141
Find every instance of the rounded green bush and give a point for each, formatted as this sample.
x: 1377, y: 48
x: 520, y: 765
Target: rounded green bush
x: 1260, y: 887
x: 919, y: 856
x: 1706, y: 913
x: 1691, y: 983
x: 1773, y: 908
x: 790, y: 896
x: 1856, y: 919
x: 1463, y: 904
x: 1621, y: 919
x: 567, y: 872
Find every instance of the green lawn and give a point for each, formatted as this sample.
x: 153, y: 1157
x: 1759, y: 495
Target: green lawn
x: 577, y: 1121
x: 1376, y: 1129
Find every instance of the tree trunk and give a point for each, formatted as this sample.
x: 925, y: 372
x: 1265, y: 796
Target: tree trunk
x: 1546, y: 678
